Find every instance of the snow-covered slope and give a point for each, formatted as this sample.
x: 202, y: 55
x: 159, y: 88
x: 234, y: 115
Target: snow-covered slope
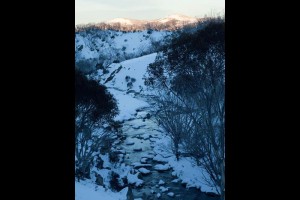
x: 120, y: 20
x: 124, y: 81
x: 128, y: 75
x: 85, y: 190
x: 170, y: 22
x: 114, y: 45
x: 178, y: 17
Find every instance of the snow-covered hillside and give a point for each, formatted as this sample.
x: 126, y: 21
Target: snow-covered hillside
x: 114, y: 45
x: 125, y: 80
x: 171, y: 22
x: 177, y: 17
x: 128, y: 75
x: 85, y: 190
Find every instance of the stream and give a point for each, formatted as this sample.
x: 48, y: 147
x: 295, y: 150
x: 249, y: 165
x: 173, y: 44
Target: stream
x: 140, y: 133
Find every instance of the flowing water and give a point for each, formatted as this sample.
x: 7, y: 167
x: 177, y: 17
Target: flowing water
x: 138, y: 132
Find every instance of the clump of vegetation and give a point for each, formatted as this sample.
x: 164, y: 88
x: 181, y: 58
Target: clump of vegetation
x: 127, y: 78
x: 129, y: 85
x: 133, y: 80
x: 116, y: 183
x: 113, y: 157
x: 105, y: 71
x: 149, y: 31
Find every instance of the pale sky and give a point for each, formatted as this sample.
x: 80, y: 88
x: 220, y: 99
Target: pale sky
x: 87, y: 11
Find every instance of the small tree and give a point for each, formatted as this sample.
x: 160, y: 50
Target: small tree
x: 173, y: 119
x: 94, y: 106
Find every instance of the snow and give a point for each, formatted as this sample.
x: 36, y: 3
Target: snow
x: 185, y: 168
x: 163, y: 189
x: 144, y: 170
x: 158, y: 195
x: 175, y: 180
x: 178, y: 17
x: 142, y: 114
x: 120, y: 169
x: 127, y: 105
x: 134, y: 68
x: 160, y: 167
x: 153, y: 139
x: 144, y: 160
x: 85, y: 190
x: 145, y: 136
x: 171, y: 194
x: 115, y: 45
x: 190, y: 173
x: 160, y: 158
x: 120, y: 20
x: 129, y: 143
x: 161, y: 182
x: 148, y: 156
x: 129, y: 71
x: 133, y: 179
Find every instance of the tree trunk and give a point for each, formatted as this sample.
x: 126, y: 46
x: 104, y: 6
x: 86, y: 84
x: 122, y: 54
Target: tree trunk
x: 176, y: 151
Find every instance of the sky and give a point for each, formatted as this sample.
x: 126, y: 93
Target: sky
x: 94, y: 11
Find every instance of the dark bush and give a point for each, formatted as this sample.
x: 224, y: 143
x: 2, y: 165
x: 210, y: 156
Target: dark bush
x: 115, y: 182
x: 127, y: 78
x: 133, y: 80
x: 113, y: 157
x: 129, y: 84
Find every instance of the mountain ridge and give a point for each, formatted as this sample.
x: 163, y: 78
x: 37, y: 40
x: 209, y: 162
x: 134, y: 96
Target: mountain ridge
x: 171, y: 22
x: 179, y: 17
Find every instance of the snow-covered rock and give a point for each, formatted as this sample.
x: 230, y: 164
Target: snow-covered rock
x: 158, y: 195
x: 133, y: 179
x: 144, y: 170
x: 160, y: 167
x: 129, y: 143
x: 175, y: 180
x: 152, y: 139
x: 161, y: 182
x: 150, y: 156
x: 160, y: 158
x: 171, y: 194
x: 163, y: 189
x: 144, y: 160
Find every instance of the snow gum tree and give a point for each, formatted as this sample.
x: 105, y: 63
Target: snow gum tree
x: 94, y: 107
x: 190, y: 71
